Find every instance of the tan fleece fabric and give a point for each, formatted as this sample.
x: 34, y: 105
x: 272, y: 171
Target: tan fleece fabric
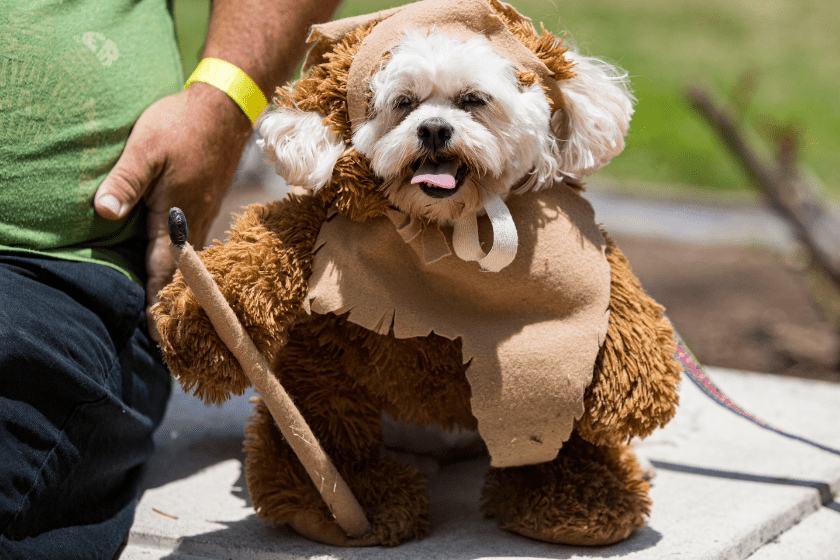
x: 531, y: 331
x: 462, y: 19
x: 343, y: 505
x: 327, y: 35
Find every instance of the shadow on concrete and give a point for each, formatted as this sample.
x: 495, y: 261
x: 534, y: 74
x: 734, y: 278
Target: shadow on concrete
x: 194, y: 436
x: 459, y: 532
x: 251, y: 538
x: 179, y: 462
x: 823, y: 488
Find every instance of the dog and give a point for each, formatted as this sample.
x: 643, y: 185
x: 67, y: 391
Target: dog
x: 451, y: 129
x: 420, y: 132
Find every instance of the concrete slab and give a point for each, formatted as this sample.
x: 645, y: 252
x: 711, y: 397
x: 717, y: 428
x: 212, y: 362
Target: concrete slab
x: 817, y: 537
x: 724, y: 488
x: 690, y: 222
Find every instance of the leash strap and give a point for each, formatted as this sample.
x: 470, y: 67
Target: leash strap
x: 697, y: 374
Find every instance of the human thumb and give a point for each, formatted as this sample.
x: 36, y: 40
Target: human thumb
x: 135, y: 170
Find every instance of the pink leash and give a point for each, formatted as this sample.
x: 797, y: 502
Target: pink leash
x: 695, y: 371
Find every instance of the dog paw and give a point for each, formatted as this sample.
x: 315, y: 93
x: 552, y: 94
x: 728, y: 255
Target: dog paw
x: 392, y: 495
x: 316, y: 527
x: 192, y: 349
x: 589, y: 495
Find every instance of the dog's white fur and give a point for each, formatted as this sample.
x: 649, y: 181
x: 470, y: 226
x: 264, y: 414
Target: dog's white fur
x: 512, y: 139
x: 303, y: 150
x: 598, y: 108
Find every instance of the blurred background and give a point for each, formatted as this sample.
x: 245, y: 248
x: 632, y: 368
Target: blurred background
x: 737, y: 280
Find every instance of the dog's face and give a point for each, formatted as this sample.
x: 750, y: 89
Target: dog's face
x: 449, y: 124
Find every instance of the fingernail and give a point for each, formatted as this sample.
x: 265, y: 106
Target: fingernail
x: 110, y: 202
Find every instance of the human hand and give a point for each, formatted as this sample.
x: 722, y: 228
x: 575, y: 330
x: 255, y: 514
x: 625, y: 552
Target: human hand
x: 182, y: 151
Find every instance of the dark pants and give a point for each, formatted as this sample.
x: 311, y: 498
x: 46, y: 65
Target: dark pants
x: 82, y: 390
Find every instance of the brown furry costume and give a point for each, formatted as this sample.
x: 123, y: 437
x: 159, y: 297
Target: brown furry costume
x: 343, y: 376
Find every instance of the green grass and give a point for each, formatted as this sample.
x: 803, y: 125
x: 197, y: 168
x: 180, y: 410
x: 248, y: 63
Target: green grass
x: 191, y: 26
x: 790, y: 48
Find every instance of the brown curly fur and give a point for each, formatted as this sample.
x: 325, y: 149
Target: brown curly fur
x: 548, y: 48
x: 342, y: 377
x: 262, y: 270
x: 353, y: 188
x: 636, y: 361
x: 589, y: 495
x: 344, y: 417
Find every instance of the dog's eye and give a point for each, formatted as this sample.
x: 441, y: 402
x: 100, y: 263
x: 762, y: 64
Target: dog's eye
x: 471, y: 101
x: 403, y: 103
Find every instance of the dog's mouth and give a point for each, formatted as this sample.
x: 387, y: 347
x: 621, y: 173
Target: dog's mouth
x: 441, y: 178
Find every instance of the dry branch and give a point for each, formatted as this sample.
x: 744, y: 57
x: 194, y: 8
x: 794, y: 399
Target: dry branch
x: 786, y: 189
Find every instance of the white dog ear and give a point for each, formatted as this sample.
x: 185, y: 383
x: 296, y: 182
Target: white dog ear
x: 303, y: 149
x: 591, y: 127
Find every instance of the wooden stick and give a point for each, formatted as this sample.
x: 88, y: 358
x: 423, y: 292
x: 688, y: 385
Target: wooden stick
x: 344, y: 506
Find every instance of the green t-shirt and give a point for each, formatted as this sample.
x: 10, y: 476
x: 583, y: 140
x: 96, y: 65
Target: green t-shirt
x: 74, y: 77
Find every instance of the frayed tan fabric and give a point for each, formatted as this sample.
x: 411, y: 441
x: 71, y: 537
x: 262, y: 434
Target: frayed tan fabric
x: 327, y: 35
x: 462, y: 19
x: 531, y: 332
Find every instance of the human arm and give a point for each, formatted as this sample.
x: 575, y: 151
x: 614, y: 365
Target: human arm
x: 183, y: 150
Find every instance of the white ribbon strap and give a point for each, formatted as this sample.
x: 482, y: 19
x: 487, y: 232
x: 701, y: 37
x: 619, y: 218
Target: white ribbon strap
x: 505, y: 239
x: 465, y: 238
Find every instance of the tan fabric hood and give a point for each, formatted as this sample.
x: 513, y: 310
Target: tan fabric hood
x: 463, y: 19
x: 531, y: 331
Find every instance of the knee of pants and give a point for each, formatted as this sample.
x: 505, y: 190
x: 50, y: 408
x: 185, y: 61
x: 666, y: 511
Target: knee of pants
x: 78, y: 408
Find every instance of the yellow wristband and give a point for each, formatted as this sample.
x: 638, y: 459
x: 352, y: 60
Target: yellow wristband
x: 233, y: 82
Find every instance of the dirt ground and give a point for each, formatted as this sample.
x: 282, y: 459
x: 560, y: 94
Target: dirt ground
x: 738, y: 307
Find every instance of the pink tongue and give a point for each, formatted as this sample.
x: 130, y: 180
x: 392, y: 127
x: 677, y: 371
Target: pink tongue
x: 438, y: 174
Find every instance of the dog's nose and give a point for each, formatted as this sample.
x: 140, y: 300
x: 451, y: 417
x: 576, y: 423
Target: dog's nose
x: 434, y: 134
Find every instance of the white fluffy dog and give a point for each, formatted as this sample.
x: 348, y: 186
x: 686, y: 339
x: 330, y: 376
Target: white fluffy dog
x: 452, y: 132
